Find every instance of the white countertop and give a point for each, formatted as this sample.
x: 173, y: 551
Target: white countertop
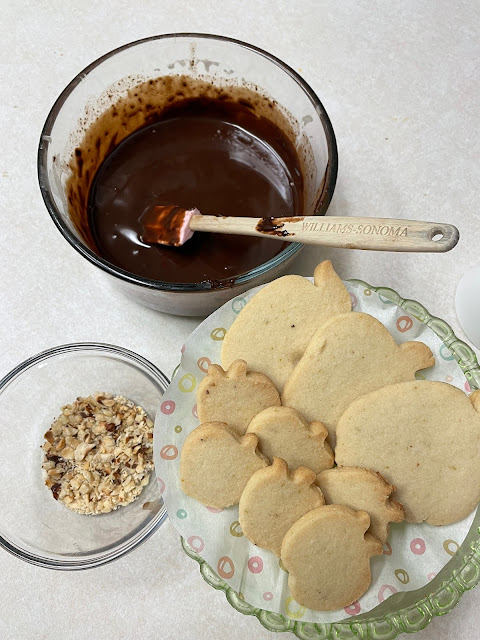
x: 400, y: 83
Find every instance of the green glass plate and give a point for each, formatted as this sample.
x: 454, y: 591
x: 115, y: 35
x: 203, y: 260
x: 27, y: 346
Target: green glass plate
x: 403, y: 612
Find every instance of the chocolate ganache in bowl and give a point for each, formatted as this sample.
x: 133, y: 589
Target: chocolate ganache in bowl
x: 194, y: 121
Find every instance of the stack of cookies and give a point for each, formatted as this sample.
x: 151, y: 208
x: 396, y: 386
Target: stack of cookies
x: 316, y: 426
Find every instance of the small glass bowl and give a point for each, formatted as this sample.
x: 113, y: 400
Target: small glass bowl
x: 33, y: 525
x: 222, y: 61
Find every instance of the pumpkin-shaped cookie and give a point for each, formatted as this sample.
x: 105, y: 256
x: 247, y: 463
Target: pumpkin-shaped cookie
x: 273, y: 500
x: 216, y: 464
x: 284, y: 433
x: 349, y: 356
x: 234, y: 396
x: 274, y: 328
x: 327, y: 554
x: 424, y: 438
x: 362, y: 490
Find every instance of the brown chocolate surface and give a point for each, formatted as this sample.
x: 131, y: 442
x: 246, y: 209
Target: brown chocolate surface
x: 207, y: 148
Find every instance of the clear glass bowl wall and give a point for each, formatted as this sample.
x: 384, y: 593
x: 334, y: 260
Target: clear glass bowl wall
x: 33, y: 526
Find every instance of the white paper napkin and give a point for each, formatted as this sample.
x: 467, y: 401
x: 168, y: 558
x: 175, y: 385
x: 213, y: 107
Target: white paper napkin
x: 414, y: 553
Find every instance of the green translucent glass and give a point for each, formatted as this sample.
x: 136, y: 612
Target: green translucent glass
x: 403, y: 612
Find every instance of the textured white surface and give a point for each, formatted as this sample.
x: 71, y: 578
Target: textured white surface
x: 400, y: 83
x: 467, y: 303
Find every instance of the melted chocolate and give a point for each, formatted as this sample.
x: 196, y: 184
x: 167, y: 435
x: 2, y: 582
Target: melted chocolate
x: 274, y: 226
x: 217, y: 152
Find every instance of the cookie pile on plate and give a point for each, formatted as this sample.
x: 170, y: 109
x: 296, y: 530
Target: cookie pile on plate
x: 316, y: 426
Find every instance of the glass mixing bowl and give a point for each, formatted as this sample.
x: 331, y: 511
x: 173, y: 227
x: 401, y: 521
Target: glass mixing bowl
x: 220, y: 61
x: 34, y: 526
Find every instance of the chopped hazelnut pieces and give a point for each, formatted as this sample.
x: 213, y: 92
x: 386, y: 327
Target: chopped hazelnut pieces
x: 98, y: 453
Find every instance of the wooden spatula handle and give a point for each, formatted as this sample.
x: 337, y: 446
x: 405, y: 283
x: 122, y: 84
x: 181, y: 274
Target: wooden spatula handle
x: 377, y: 234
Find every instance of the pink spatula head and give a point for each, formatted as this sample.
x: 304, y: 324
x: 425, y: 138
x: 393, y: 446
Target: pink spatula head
x: 168, y: 225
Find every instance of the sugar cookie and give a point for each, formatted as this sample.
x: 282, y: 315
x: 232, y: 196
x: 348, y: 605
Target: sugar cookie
x: 274, y: 328
x: 273, y: 500
x: 423, y: 437
x: 284, y: 433
x: 327, y: 555
x: 349, y: 356
x: 234, y: 396
x: 362, y: 490
x: 216, y: 464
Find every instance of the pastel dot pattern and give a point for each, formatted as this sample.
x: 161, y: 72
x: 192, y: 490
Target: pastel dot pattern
x: 169, y: 452
x: 167, y: 407
x: 445, y: 353
x: 384, y: 591
x: 238, y: 304
x: 203, y: 364
x: 187, y: 383
x: 213, y: 510
x: 353, y: 609
x: 225, y: 568
x: 255, y: 564
x: 236, y: 529
x: 404, y: 323
x: 418, y: 546
x: 402, y: 576
x: 218, y: 334
x: 293, y: 609
x: 413, y: 555
x: 196, y: 543
x: 451, y: 547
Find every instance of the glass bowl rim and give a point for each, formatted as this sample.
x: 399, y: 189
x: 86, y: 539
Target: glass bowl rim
x: 142, y: 532
x: 187, y: 287
x: 387, y: 625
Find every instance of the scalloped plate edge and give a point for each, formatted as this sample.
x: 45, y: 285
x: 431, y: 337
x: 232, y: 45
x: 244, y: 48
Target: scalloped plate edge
x: 409, y: 619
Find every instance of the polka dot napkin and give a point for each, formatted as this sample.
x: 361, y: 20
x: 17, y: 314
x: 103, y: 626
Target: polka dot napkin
x: 414, y: 553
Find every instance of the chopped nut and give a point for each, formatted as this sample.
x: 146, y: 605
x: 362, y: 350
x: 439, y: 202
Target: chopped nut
x: 98, y: 453
x: 82, y: 450
x: 55, y: 490
x: 85, y: 488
